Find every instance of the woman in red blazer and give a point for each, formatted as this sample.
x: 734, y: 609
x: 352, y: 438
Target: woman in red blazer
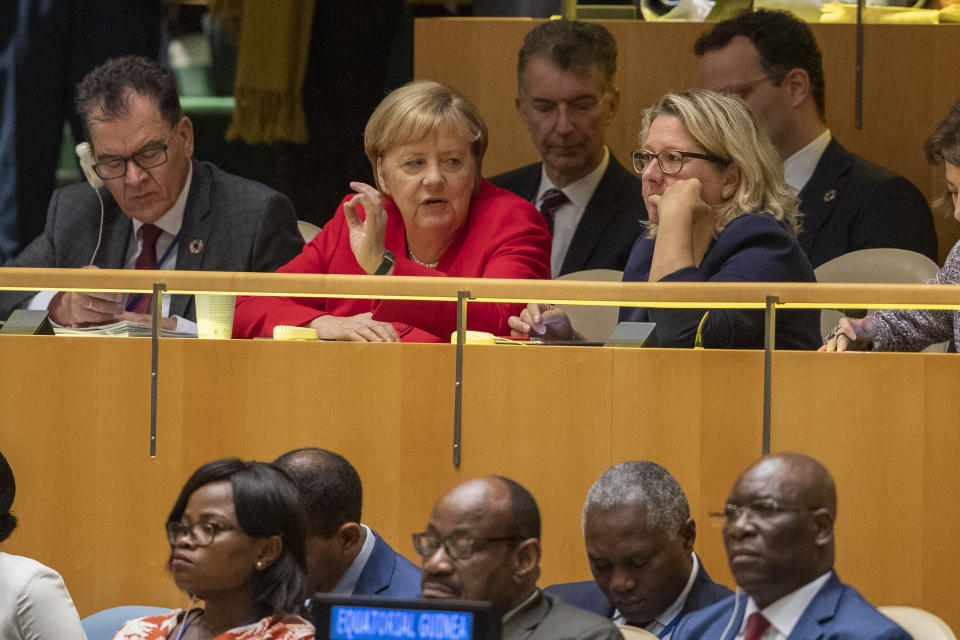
x: 431, y: 215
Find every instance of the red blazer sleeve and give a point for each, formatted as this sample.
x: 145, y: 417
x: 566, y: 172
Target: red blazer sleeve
x: 504, y: 237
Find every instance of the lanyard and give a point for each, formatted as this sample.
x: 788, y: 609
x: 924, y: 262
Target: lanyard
x: 667, y: 630
x: 134, y: 298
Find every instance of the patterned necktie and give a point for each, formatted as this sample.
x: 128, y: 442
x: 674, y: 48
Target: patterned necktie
x: 553, y: 199
x: 756, y: 626
x: 147, y: 260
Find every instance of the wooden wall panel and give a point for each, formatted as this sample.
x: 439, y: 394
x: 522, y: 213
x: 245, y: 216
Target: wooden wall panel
x: 92, y: 503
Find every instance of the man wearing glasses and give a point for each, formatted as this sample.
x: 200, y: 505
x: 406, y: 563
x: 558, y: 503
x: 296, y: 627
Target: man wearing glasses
x: 566, y: 97
x: 778, y: 533
x: 483, y: 543
x: 157, y: 207
x: 771, y: 60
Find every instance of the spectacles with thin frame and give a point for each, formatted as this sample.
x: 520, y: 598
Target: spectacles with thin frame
x: 759, y: 509
x: 147, y: 158
x: 669, y: 160
x: 459, y: 546
x: 201, y: 534
x: 743, y: 90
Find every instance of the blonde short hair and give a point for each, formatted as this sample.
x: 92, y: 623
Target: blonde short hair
x: 724, y: 127
x: 415, y: 110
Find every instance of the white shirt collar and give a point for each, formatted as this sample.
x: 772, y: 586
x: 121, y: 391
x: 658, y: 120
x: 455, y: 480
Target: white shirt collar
x: 660, y: 623
x: 785, y: 613
x: 517, y: 609
x: 172, y: 220
x: 348, y: 581
x: 798, y: 168
x: 579, y: 192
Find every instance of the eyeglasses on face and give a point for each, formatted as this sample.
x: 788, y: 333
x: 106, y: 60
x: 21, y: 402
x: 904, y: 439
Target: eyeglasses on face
x: 760, y: 509
x: 201, y: 534
x: 459, y: 546
x: 669, y: 160
x: 743, y: 90
x: 149, y: 157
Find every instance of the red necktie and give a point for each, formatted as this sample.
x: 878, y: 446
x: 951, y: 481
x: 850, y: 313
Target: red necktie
x: 147, y: 260
x: 756, y: 626
x: 553, y: 199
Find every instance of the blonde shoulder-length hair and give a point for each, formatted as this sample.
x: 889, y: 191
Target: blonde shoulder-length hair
x: 415, y: 110
x: 724, y: 127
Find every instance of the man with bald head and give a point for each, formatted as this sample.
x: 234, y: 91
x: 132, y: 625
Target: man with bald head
x: 344, y: 556
x: 639, y: 537
x: 779, y: 540
x: 483, y: 543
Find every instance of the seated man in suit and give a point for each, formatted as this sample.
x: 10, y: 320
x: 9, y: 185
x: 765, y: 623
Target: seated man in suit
x: 779, y: 540
x: 567, y: 97
x: 639, y: 535
x: 483, y: 543
x: 344, y: 556
x: 771, y: 60
x: 160, y: 208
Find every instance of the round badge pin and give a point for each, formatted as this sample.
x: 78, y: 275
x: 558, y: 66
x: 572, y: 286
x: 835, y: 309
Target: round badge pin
x: 830, y: 195
x: 196, y: 246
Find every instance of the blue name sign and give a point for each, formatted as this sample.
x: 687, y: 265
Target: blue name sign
x: 371, y: 623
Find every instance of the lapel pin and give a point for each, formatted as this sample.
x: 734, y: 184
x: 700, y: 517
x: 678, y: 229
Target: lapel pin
x: 196, y: 246
x: 830, y: 195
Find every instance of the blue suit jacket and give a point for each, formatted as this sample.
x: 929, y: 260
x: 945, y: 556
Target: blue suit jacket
x: 837, y: 612
x: 610, y: 223
x: 751, y: 248
x: 850, y: 204
x: 388, y: 574
x: 587, y: 595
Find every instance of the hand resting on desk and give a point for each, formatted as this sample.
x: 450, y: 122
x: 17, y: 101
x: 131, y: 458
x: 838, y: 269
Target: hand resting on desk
x: 545, y: 321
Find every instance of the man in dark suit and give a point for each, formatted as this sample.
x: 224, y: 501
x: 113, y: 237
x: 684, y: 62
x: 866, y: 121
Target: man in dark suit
x: 779, y: 540
x: 483, y: 543
x: 771, y: 60
x: 567, y: 97
x: 639, y: 536
x: 161, y: 208
x: 343, y: 555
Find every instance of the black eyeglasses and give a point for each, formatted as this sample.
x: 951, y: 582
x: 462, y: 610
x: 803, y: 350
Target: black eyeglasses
x: 201, y: 534
x: 147, y: 158
x: 458, y: 546
x: 670, y: 160
x: 760, y: 509
x: 743, y: 90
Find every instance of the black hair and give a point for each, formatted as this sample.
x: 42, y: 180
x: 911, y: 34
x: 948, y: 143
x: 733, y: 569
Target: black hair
x: 524, y: 514
x: 569, y: 45
x: 329, y: 486
x: 784, y: 42
x: 944, y: 143
x: 107, y: 89
x: 266, y: 503
x: 8, y: 490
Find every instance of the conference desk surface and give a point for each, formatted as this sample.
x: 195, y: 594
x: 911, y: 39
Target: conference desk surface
x: 92, y: 503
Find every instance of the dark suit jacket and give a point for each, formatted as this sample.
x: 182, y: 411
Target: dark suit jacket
x: 751, y: 248
x: 587, y: 595
x: 549, y: 618
x: 837, y: 612
x: 850, y: 204
x: 237, y: 224
x: 610, y: 223
x: 388, y: 574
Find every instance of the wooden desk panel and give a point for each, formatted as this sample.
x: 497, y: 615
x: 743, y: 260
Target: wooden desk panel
x: 92, y: 502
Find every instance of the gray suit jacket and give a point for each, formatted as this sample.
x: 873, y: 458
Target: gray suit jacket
x: 610, y: 223
x: 549, y: 618
x: 229, y: 224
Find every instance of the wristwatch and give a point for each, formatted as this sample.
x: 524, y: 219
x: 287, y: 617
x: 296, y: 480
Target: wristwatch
x: 386, y: 263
